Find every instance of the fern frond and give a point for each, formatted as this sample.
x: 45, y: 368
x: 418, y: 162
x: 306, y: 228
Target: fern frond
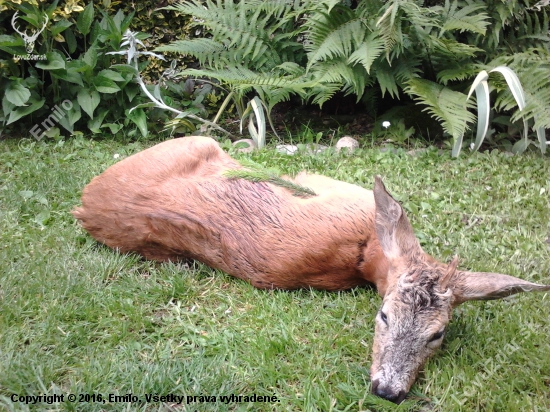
x: 247, y: 30
x: 387, y: 83
x: 389, y: 27
x: 537, y: 96
x: 466, y: 18
x: 453, y: 48
x: 238, y: 75
x: 400, y: 13
x: 353, y: 79
x: 270, y: 87
x: 367, y: 52
x: 206, y: 51
x: 532, y: 67
x: 322, y: 93
x: 461, y: 72
x: 406, y: 68
x: 334, y: 35
x: 445, y: 105
x: 291, y: 68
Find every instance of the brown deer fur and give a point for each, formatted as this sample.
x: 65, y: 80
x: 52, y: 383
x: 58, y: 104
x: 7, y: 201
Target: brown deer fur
x: 173, y: 201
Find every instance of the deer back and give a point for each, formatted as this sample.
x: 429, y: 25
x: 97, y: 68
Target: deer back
x: 173, y: 201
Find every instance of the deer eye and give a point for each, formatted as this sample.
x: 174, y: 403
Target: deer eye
x: 437, y: 336
x: 383, y: 317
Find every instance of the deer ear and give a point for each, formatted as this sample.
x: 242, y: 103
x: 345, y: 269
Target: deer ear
x: 486, y: 286
x: 446, y: 279
x: 395, y: 233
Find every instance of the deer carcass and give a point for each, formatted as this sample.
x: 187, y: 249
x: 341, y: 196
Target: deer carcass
x: 176, y: 200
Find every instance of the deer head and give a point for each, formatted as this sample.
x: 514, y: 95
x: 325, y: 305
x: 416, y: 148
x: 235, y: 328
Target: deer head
x: 418, y: 302
x: 28, y: 39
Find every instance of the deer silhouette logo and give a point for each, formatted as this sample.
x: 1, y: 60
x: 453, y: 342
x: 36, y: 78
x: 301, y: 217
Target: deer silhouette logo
x: 28, y: 39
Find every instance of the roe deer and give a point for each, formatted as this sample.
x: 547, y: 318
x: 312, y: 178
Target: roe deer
x: 174, y: 200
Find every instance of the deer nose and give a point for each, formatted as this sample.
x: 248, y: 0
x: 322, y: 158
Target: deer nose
x: 387, y: 393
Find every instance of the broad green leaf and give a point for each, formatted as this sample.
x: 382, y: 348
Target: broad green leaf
x: 25, y: 110
x: 139, y: 117
x: 17, y: 94
x: 7, y: 40
x: 77, y: 66
x: 521, y: 146
x: 51, y: 7
x: 131, y: 91
x: 53, y: 61
x: 52, y: 132
x: 158, y: 94
x: 7, y: 106
x: 71, y: 117
x: 95, y: 123
x: 71, y: 40
x: 105, y: 85
x: 68, y: 75
x: 88, y: 101
x: 113, y: 127
x: 85, y: 19
x: 90, y: 57
x: 59, y: 27
x: 111, y: 74
x: 125, y: 69
x: 42, y: 217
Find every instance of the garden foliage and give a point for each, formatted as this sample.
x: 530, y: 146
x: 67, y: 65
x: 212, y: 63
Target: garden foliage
x: 262, y: 53
x: 429, y: 51
x: 74, y: 67
x: 75, y: 70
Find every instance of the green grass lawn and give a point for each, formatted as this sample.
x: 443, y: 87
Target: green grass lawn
x: 78, y: 318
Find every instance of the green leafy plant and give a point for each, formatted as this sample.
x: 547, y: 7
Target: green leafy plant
x: 430, y: 50
x: 395, y: 132
x: 133, y: 43
x: 422, y: 51
x: 252, y: 48
x: 97, y: 91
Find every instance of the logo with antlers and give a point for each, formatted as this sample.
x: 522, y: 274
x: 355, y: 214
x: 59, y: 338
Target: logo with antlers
x: 28, y: 39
